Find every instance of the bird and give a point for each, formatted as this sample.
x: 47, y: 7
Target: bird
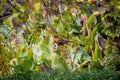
x: 60, y: 41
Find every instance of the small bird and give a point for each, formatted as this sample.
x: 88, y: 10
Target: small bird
x: 60, y: 41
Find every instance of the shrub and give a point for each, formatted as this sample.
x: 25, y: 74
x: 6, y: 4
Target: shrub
x: 54, y: 75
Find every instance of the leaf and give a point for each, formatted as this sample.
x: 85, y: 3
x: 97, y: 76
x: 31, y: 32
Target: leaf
x: 26, y: 64
x: 91, y: 39
x: 101, y: 43
x: 29, y: 53
x: 59, y: 63
x: 97, y: 53
x: 37, y: 7
x: 5, y: 30
x: 93, y: 34
x: 91, y: 19
x: 81, y: 57
x: 79, y: 0
x: 19, y: 51
x: 97, y: 57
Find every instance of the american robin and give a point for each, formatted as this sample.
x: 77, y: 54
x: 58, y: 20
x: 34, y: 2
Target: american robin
x: 60, y: 41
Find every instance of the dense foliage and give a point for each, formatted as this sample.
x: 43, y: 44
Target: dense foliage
x: 91, y: 75
x: 62, y: 35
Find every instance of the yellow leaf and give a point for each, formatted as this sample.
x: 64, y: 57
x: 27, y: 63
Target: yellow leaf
x: 80, y: 0
x: 37, y: 6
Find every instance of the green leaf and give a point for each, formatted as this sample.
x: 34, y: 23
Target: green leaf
x: 81, y: 57
x: 29, y: 53
x: 93, y: 34
x: 97, y: 53
x: 90, y: 20
x: 58, y: 63
x: 91, y: 39
x: 19, y: 51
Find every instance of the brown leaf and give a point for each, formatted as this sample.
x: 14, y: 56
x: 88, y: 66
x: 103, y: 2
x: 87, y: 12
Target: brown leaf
x: 101, y: 42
